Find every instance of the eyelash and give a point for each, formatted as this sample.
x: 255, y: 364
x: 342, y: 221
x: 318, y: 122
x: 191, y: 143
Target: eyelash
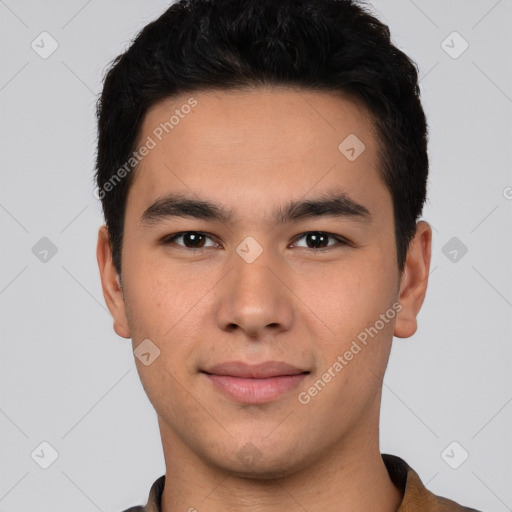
x: 169, y: 239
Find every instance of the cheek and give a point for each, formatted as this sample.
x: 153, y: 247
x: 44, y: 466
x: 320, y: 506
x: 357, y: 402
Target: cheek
x: 149, y: 307
x: 351, y: 296
x: 358, y: 343
x: 168, y: 306
x: 157, y: 296
x: 158, y: 309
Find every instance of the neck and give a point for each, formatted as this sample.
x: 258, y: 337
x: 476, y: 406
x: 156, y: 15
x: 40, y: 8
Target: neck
x: 352, y: 476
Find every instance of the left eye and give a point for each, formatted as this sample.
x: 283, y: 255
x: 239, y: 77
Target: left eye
x: 319, y: 238
x: 197, y: 240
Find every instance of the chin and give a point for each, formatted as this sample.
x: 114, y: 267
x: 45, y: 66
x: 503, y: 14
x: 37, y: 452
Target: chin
x: 251, y: 464
x: 263, y: 472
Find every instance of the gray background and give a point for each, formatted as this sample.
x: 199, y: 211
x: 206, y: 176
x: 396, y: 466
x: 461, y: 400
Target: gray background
x: 67, y: 379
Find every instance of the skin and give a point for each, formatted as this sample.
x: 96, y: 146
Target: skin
x: 252, y: 151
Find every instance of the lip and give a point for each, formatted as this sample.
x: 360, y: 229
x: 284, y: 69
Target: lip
x: 255, y: 384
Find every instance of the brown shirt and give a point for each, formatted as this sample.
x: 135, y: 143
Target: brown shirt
x: 416, y: 497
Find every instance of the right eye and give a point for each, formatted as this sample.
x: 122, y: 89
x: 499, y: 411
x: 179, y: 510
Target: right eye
x: 191, y: 240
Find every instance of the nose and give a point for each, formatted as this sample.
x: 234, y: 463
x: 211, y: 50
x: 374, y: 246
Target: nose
x: 255, y: 298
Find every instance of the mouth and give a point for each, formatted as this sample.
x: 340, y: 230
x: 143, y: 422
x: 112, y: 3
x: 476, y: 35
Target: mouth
x: 254, y: 384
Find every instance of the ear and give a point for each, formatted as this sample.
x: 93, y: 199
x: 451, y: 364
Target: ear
x: 414, y: 280
x: 111, y: 284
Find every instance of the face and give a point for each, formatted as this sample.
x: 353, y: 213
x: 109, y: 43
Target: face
x: 270, y: 323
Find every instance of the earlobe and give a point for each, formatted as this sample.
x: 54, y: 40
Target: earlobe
x: 111, y: 284
x: 414, y: 280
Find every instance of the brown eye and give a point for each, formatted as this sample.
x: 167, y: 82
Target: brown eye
x: 320, y: 240
x: 189, y: 240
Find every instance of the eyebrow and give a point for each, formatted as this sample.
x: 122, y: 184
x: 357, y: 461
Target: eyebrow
x: 333, y: 204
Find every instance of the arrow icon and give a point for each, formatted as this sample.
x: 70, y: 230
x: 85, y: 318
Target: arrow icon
x: 454, y: 249
x: 249, y: 252
x: 454, y: 45
x: 44, y: 250
x: 455, y: 253
x: 44, y: 455
x: 44, y: 45
x: 146, y: 352
x: 454, y: 455
x: 451, y: 455
x: 249, y: 454
x: 351, y: 147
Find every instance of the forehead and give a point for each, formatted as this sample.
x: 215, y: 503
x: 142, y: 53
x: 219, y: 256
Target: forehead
x: 258, y: 145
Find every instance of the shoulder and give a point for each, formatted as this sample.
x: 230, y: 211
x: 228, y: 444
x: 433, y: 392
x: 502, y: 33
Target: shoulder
x: 416, y: 497
x: 154, y: 499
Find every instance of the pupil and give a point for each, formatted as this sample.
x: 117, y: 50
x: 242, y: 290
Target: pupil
x: 315, y: 238
x: 193, y: 239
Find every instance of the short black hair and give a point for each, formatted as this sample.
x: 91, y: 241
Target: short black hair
x: 318, y: 45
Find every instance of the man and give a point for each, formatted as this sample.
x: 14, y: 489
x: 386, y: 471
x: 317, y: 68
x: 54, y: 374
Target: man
x: 262, y: 166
